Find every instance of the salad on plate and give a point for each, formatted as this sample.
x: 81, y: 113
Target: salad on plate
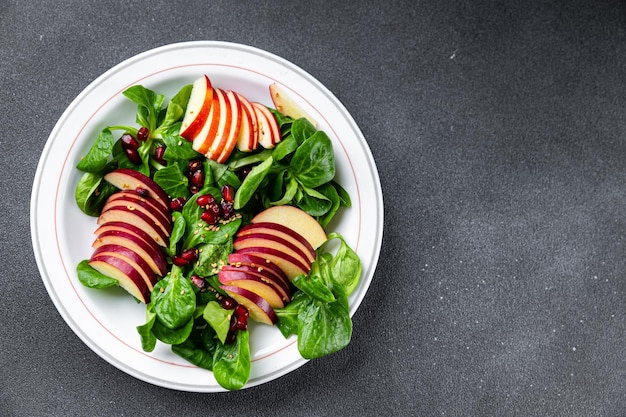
x: 213, y: 210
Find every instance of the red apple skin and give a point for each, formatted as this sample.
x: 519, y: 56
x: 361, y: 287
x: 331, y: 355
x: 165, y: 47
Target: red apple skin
x: 266, y: 138
x: 136, y: 205
x: 230, y: 139
x: 271, y: 241
x: 129, y: 228
x: 283, y: 232
x: 154, y: 258
x: 271, y: 123
x: 130, y: 256
x: 126, y: 275
x: 129, y: 179
x: 255, y: 284
x: 291, y: 266
x: 136, y: 218
x: 230, y: 272
x: 203, y: 140
x: 296, y: 219
x: 254, y: 134
x: 259, y: 308
x: 198, y: 109
x: 242, y: 259
x: 245, y: 140
x: 134, y: 195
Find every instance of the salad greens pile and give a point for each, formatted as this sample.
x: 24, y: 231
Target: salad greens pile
x: 185, y: 309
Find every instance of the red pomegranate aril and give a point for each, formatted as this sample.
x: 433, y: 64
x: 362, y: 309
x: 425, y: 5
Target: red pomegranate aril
x: 133, y: 156
x: 197, y: 179
x: 228, y: 303
x: 159, y: 151
x: 143, y: 134
x: 205, y: 199
x: 198, y: 281
x: 142, y: 192
x: 193, y: 189
x: 177, y: 203
x: 194, y: 165
x: 129, y: 142
x: 241, y: 324
x: 214, y: 208
x: 179, y: 261
x: 241, y: 311
x: 191, y: 255
x: 230, y: 338
x: 208, y: 217
x: 227, y: 209
x: 228, y: 193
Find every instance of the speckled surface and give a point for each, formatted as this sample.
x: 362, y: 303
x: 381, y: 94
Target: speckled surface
x: 499, y: 132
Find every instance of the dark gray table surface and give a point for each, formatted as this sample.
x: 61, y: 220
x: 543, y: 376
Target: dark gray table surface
x: 498, y: 129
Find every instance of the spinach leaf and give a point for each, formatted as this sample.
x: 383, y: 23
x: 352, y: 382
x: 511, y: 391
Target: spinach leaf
x: 331, y: 193
x: 314, y: 202
x: 345, y: 267
x: 91, y: 278
x: 178, y: 231
x: 172, y: 180
x: 148, y: 339
x: 194, y: 354
x: 174, y: 299
x: 99, y: 153
x: 301, y: 130
x: 251, y: 183
x: 218, y: 318
x: 178, y: 149
x: 288, y: 323
x: 231, y: 363
x: 211, y: 256
x: 172, y: 336
x: 92, y: 192
x: 314, y: 285
x: 148, y: 105
x: 313, y: 163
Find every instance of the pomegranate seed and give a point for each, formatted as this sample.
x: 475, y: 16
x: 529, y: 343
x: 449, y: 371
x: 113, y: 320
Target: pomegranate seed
x: 205, y: 200
x: 190, y: 255
x: 177, y: 203
x: 227, y: 209
x: 198, y: 281
x: 214, y: 208
x: 197, y: 179
x: 179, y: 261
x: 193, y: 189
x: 228, y: 193
x: 243, y: 173
x: 208, y: 217
x: 133, y: 156
x: 230, y: 338
x: 194, y: 165
x: 241, y: 324
x: 129, y: 142
x: 142, y: 192
x: 228, y: 303
x: 241, y: 311
x: 158, y: 154
x: 143, y: 134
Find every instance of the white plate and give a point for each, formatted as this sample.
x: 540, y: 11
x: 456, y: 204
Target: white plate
x: 106, y: 319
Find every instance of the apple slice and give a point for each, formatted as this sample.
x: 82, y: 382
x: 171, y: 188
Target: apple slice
x: 274, y: 242
x: 130, y: 229
x: 279, y: 284
x: 269, y: 132
x: 296, y: 219
x: 136, y: 218
x: 213, y: 144
x: 253, y: 283
x: 133, y: 204
x: 134, y: 195
x: 129, y: 179
x: 282, y: 232
x: 291, y: 266
x: 126, y: 275
x: 198, y: 107
x: 259, y: 308
x: 248, y: 134
x: 203, y: 140
x: 232, y: 134
x: 286, y: 105
x: 261, y: 264
x: 154, y: 258
x: 132, y: 258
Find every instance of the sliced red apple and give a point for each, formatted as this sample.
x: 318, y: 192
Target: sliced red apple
x: 133, y: 204
x: 281, y: 231
x: 154, y: 258
x: 129, y: 179
x: 131, y: 229
x: 296, y: 219
x: 259, y: 308
x: 248, y: 134
x: 134, y: 195
x: 132, y: 258
x: 213, y: 144
x: 272, y: 241
x: 244, y: 271
x: 255, y: 284
x: 269, y: 132
x: 262, y: 264
x: 126, y: 275
x: 285, y: 104
x: 137, y: 218
x: 203, y: 140
x: 291, y: 266
x: 230, y: 138
x: 198, y: 107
